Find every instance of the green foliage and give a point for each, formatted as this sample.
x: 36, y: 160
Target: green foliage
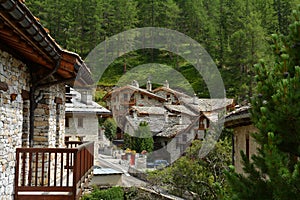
x: 115, y: 193
x: 202, y: 176
x: 232, y: 31
x: 110, y: 128
x: 141, y: 140
x: 274, y: 172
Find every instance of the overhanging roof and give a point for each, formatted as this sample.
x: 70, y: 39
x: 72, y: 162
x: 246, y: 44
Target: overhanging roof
x: 238, y: 117
x: 133, y: 89
x: 22, y: 35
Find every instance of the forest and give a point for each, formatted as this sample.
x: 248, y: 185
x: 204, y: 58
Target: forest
x: 236, y: 33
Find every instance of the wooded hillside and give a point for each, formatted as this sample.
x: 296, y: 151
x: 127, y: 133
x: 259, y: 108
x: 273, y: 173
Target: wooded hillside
x: 234, y: 32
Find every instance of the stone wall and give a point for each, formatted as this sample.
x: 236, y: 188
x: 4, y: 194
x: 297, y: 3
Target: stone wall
x: 241, y: 134
x: 14, y: 119
x: 49, y: 119
x: 15, y: 74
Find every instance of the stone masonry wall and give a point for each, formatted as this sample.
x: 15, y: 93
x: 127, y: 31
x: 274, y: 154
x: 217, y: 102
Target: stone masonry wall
x: 14, y: 119
x: 15, y: 74
x: 240, y: 134
x: 49, y: 119
x: 49, y: 125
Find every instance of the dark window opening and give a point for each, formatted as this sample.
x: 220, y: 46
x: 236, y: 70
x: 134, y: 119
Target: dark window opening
x: 247, y: 146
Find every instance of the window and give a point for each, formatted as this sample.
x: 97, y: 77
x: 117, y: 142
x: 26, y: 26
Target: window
x: 142, y: 96
x: 80, y: 122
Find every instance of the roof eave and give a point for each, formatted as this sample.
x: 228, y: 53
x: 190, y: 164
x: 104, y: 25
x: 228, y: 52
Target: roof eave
x: 18, y: 16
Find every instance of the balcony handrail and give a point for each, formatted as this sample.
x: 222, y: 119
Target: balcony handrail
x: 60, y: 170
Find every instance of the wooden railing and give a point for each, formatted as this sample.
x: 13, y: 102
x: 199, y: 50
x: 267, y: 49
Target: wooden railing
x: 53, y: 173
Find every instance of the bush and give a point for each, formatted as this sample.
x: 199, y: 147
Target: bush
x: 115, y: 193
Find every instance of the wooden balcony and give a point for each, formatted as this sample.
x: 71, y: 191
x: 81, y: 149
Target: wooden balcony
x: 53, y: 173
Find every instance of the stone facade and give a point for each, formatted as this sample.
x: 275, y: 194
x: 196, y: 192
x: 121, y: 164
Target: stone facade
x: 14, y: 73
x: 49, y: 118
x: 14, y: 118
x: 243, y: 142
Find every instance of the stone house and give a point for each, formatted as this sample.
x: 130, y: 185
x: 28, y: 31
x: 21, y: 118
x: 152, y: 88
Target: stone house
x: 239, y: 120
x: 171, y: 95
x: 82, y: 117
x: 121, y: 99
x: 34, y: 70
x: 174, y: 118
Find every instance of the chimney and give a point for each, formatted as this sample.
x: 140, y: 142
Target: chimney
x: 166, y: 114
x: 68, y: 89
x: 134, y: 114
x: 86, y: 97
x: 135, y: 83
x: 195, y: 99
x: 179, y: 119
x: 167, y: 84
x: 68, y: 94
x: 149, y: 86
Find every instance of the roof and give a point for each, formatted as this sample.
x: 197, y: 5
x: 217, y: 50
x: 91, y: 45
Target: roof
x: 79, y: 107
x: 238, y: 117
x: 144, y: 110
x: 155, y: 123
x: 24, y: 36
x: 133, y: 89
x: 172, y: 131
x: 181, y: 109
x: 167, y: 89
x: 158, y: 126
x: 212, y: 116
x: 199, y: 104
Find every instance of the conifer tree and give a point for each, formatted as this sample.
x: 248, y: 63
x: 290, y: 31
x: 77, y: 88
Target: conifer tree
x: 274, y: 173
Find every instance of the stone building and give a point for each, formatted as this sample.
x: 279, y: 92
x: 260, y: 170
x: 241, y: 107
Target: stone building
x: 174, y: 118
x: 240, y: 121
x: 33, y: 72
x: 82, y: 115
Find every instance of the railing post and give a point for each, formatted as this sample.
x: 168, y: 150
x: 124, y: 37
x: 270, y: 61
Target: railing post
x: 75, y: 174
x: 17, y: 173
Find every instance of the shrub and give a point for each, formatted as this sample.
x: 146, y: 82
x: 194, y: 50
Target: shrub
x: 115, y: 193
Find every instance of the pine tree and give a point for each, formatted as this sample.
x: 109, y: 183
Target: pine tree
x: 274, y: 173
x: 110, y: 128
